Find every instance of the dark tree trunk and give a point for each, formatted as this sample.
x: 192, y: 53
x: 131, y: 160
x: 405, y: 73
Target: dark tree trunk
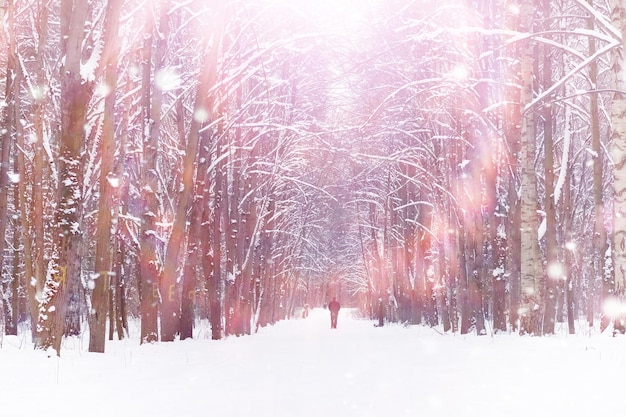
x: 515, y: 262
x: 499, y: 276
x: 121, y: 316
x: 452, y: 284
x: 150, y: 267
x: 101, y: 280
x: 8, y: 121
x: 194, y: 248
x: 463, y: 284
x: 36, y: 270
x: 569, y: 270
x: 600, y: 243
x: 64, y: 278
x: 170, y: 314
x: 18, y: 227
x: 442, y: 299
x: 211, y: 247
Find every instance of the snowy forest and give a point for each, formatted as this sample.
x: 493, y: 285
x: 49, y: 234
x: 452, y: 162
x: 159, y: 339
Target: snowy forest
x: 458, y: 163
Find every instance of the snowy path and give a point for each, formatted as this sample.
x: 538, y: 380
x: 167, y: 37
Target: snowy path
x: 302, y: 368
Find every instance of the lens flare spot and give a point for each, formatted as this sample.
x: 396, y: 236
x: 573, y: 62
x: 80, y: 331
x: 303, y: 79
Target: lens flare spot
x: 459, y: 74
x: 612, y: 307
x: 167, y: 79
x: 555, y: 271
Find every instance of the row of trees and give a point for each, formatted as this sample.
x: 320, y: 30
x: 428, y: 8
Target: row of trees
x: 235, y: 160
x: 496, y: 133
x: 179, y: 180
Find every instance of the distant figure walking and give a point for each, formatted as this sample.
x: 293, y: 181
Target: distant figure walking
x: 334, y: 307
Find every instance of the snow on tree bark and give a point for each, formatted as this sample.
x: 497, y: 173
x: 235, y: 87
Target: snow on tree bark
x: 618, y: 148
x: 202, y: 113
x: 8, y: 124
x: 65, y: 268
x: 554, y: 275
x: 37, y: 277
x: 600, y: 243
x: 150, y: 264
x: 104, y: 246
x: 531, y: 306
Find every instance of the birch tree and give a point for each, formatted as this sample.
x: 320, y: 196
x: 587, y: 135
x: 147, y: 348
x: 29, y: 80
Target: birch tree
x: 553, y: 266
x: 531, y: 306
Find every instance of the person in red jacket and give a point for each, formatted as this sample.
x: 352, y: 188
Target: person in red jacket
x: 334, y: 307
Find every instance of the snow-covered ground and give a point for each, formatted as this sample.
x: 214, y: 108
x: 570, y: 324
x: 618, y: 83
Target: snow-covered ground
x: 302, y: 368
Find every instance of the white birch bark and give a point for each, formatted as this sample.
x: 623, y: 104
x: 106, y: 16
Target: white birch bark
x: 531, y: 306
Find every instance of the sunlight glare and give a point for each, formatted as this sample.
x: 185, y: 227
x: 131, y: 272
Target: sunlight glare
x: 459, y: 74
x: 201, y: 115
x: 612, y: 307
x: 514, y: 9
x: 167, y: 79
x: 103, y: 90
x: 39, y: 92
x: 338, y: 17
x: 555, y: 271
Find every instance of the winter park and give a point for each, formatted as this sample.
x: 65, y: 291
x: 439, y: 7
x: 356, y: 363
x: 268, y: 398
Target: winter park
x: 312, y: 207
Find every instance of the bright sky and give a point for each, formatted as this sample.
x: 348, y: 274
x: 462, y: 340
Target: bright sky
x: 340, y: 17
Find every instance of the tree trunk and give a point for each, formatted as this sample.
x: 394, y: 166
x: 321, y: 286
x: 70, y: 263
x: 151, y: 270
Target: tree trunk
x: 66, y: 269
x: 197, y: 235
x: 554, y: 270
x: 36, y: 270
x: 101, y: 279
x: 150, y: 269
x: 442, y: 292
x: 7, y: 133
x: 427, y: 271
x: 121, y: 317
x: 463, y: 283
x: 18, y: 237
x: 265, y: 289
x: 252, y: 230
x: 531, y: 306
x: 202, y: 112
x: 618, y: 150
x: 212, y: 245
x: 600, y: 242
x: 569, y: 258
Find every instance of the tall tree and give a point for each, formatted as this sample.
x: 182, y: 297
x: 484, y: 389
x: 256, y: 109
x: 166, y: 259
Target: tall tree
x: 554, y: 272
x: 36, y: 270
x: 203, y: 112
x: 600, y: 242
x: 75, y: 96
x: 531, y: 279
x: 104, y: 246
x: 618, y: 148
x: 8, y: 130
x: 151, y: 265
